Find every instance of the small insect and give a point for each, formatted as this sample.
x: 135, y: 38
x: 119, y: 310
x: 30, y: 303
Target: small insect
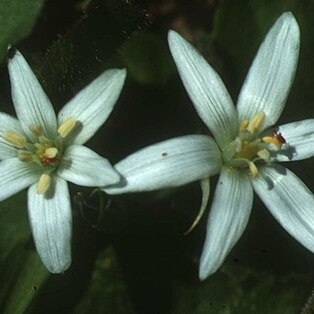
x: 278, y: 136
x: 164, y: 154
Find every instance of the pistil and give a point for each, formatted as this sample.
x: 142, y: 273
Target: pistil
x: 248, y: 148
x: 44, y: 152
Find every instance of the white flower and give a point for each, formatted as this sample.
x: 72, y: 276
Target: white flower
x: 43, y: 151
x: 248, y: 147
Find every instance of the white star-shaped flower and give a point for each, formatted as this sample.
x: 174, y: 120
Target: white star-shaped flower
x: 247, y: 147
x: 42, y: 151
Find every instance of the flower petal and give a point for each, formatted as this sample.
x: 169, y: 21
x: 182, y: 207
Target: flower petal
x: 270, y: 77
x: 16, y: 176
x: 205, y: 185
x: 289, y: 200
x: 51, y: 223
x: 82, y: 166
x: 92, y: 105
x: 205, y: 88
x: 8, y: 123
x: 31, y: 103
x: 168, y: 164
x: 227, y: 219
x: 300, y: 140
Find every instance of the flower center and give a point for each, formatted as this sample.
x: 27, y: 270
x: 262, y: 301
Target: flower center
x: 250, y: 147
x: 44, y: 151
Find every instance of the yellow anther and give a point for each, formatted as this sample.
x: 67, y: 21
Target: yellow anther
x: 25, y: 155
x: 256, y: 123
x: 264, y: 154
x: 253, y: 169
x: 66, y: 127
x: 272, y: 140
x: 37, y: 130
x: 18, y: 140
x: 43, y: 183
x: 51, y: 152
x: 244, y: 124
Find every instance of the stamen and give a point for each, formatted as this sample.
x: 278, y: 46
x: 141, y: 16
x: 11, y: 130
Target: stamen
x: 25, y: 156
x: 66, y: 127
x: 249, y: 148
x: 51, y: 152
x: 244, y: 124
x: 238, y: 143
x: 256, y: 123
x: 264, y: 154
x: 272, y: 140
x: 253, y: 169
x: 43, y: 183
x: 18, y: 140
x: 37, y: 130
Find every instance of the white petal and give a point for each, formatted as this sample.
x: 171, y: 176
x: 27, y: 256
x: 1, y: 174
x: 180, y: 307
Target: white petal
x: 15, y: 176
x: 205, y: 88
x: 8, y: 123
x: 227, y: 219
x: 92, y: 105
x: 270, y: 77
x: 300, y: 140
x: 82, y: 166
x: 289, y: 200
x: 6, y: 150
x: 168, y: 164
x: 32, y: 105
x: 51, y: 223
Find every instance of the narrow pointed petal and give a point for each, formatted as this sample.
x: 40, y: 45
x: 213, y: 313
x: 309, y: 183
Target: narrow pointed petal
x: 11, y: 124
x: 299, y: 137
x: 205, y: 88
x: 6, y: 150
x: 289, y: 200
x: 51, y: 222
x: 16, y: 176
x: 31, y: 103
x: 168, y: 164
x: 227, y: 219
x: 268, y: 82
x: 92, y: 106
x: 82, y: 166
x: 205, y: 185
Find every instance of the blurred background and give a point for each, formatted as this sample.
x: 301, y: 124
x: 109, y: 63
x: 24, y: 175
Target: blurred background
x: 130, y: 254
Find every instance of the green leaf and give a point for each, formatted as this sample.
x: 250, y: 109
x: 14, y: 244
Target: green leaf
x: 14, y: 226
x: 21, y: 270
x: 236, y: 289
x: 88, y: 48
x: 106, y: 292
x: 240, y: 27
x: 17, y: 20
x: 147, y: 59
